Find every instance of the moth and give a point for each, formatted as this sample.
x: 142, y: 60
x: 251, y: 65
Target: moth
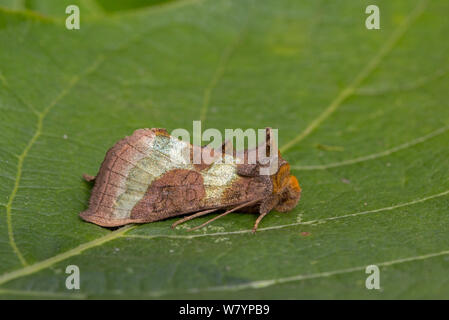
x: 150, y: 176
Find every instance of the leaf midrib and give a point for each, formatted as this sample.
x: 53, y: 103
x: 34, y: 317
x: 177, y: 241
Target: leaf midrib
x: 120, y: 233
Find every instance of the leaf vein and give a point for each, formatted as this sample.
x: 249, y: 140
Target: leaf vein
x: 270, y: 282
x: 365, y: 72
x: 218, y: 74
x: 296, y: 223
x: 374, y: 155
x: 21, y: 158
x: 121, y: 233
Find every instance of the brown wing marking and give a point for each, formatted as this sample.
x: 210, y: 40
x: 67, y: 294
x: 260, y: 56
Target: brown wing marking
x: 178, y: 191
x: 246, y: 189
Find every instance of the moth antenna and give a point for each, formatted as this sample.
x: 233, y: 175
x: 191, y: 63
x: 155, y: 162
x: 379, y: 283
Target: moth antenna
x: 223, y: 214
x: 268, y: 141
x: 258, y: 221
x: 193, y: 216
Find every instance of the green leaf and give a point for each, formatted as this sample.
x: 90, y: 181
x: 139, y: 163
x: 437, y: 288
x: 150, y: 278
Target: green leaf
x: 89, y: 8
x: 309, y: 68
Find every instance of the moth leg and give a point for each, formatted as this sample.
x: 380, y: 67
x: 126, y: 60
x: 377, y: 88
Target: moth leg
x: 193, y: 216
x: 265, y: 207
x: 223, y: 214
x: 258, y: 221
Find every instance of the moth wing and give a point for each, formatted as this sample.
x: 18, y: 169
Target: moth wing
x: 181, y: 191
x: 129, y: 168
x: 225, y: 187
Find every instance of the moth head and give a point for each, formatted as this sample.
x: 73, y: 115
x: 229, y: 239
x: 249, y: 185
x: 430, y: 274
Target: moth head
x: 286, y: 187
x: 270, y: 163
